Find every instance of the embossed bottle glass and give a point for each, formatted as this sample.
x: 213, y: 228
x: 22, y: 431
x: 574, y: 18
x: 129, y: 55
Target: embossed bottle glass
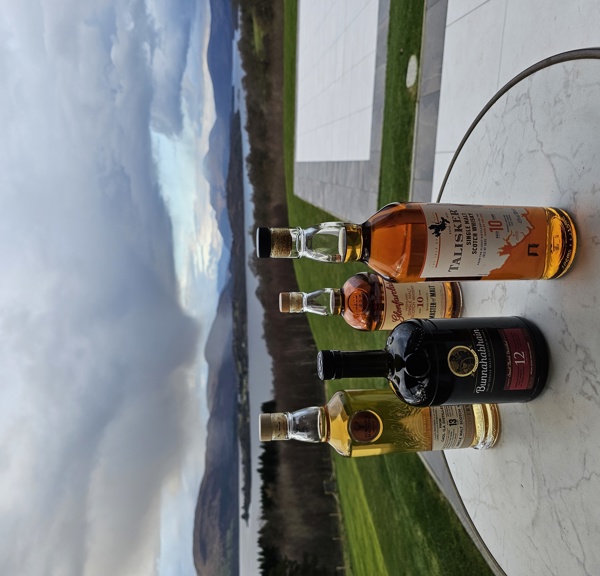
x: 374, y: 422
x: 368, y: 302
x: 413, y: 242
x: 452, y: 361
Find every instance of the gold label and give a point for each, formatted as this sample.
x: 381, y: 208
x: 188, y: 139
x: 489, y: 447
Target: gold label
x: 365, y: 426
x: 452, y: 427
x: 462, y: 361
x: 404, y: 301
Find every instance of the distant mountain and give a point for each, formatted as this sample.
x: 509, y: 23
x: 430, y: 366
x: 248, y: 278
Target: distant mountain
x: 220, y: 54
x: 220, y: 66
x: 216, y: 526
x: 218, y: 510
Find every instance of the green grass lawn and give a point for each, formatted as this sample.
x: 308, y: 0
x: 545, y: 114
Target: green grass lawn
x: 404, y: 40
x: 396, y: 521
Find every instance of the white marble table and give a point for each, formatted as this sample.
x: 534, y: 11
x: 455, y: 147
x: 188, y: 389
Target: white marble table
x: 535, y: 498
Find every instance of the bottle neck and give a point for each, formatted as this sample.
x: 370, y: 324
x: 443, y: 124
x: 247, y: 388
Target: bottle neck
x: 328, y: 242
x: 324, y: 302
x: 335, y: 364
x: 305, y: 425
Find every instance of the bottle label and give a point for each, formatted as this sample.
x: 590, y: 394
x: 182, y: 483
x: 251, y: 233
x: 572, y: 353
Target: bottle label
x: 489, y: 365
x: 504, y: 359
x: 384, y: 424
x: 365, y: 426
x: 452, y: 427
x: 466, y: 241
x: 519, y: 360
x: 404, y: 301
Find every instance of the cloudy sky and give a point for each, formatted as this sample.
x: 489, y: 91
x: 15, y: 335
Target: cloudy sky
x: 105, y: 227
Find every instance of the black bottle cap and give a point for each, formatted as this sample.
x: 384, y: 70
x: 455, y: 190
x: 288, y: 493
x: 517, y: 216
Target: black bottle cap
x: 326, y: 365
x: 263, y: 242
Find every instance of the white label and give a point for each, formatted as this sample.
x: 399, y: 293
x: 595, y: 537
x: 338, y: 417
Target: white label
x: 404, y: 301
x: 452, y: 427
x: 471, y: 241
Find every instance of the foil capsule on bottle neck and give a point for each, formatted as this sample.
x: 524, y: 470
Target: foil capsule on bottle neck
x: 290, y: 302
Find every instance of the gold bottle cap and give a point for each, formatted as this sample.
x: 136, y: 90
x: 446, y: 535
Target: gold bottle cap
x: 351, y: 242
x: 281, y: 243
x: 336, y: 301
x: 290, y: 302
x: 272, y: 426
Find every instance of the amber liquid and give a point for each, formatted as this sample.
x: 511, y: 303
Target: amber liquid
x: 394, y: 244
x: 403, y: 428
x: 363, y: 302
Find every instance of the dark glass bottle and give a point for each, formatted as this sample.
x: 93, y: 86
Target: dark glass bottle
x: 452, y: 361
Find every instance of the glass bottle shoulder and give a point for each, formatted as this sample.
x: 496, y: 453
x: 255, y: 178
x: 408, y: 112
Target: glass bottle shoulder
x: 362, y: 301
x: 411, y: 376
x: 396, y: 213
x: 395, y: 242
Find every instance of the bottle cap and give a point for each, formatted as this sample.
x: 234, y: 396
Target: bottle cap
x: 263, y: 242
x: 265, y: 427
x: 290, y: 302
x: 272, y: 426
x: 326, y: 364
x: 274, y: 242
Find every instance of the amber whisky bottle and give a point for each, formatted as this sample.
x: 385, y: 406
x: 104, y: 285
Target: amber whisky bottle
x: 373, y: 422
x: 368, y: 302
x: 413, y: 242
x: 452, y: 361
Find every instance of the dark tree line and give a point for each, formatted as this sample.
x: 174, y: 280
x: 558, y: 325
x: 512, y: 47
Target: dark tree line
x: 299, y: 520
x: 273, y: 562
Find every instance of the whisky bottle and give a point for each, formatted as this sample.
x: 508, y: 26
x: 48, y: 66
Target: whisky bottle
x: 413, y: 242
x: 373, y: 422
x: 368, y: 302
x: 452, y: 361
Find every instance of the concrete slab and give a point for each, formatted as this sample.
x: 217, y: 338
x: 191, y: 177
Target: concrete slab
x: 428, y: 101
x: 339, y: 122
x: 337, y: 44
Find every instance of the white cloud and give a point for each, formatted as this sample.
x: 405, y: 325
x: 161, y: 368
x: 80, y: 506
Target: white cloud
x: 97, y: 403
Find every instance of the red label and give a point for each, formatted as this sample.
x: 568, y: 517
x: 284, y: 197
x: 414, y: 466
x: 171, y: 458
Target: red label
x: 364, y: 426
x: 520, y: 361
